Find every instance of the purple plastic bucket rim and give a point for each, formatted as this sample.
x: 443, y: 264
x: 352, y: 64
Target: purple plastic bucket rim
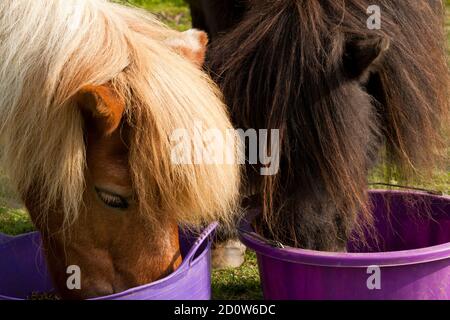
x: 5, y: 238
x: 344, y: 259
x: 190, y: 260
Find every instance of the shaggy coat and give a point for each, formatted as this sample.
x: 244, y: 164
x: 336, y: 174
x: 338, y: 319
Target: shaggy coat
x: 341, y: 95
x: 91, y: 95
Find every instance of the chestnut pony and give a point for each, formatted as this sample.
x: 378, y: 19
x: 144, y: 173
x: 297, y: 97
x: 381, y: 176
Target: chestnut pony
x: 91, y: 93
x: 344, y: 91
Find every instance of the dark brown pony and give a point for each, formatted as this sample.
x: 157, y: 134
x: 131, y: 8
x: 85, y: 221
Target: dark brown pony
x: 342, y: 96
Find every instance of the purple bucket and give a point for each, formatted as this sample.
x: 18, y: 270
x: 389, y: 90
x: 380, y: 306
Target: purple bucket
x: 23, y: 271
x: 407, y: 258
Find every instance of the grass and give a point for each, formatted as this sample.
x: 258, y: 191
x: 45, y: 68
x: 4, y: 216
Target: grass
x: 14, y: 221
x: 175, y: 13
x: 240, y: 283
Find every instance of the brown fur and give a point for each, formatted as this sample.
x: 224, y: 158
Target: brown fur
x: 338, y: 92
x: 192, y: 45
x: 216, y: 17
x: 102, y: 104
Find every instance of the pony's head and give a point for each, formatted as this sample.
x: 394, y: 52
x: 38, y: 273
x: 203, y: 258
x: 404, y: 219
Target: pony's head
x: 337, y: 91
x: 91, y: 94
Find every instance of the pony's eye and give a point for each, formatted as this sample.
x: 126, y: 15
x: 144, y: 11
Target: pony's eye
x: 112, y: 200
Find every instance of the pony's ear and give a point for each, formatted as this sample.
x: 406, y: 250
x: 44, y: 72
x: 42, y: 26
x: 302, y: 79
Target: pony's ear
x: 191, y: 44
x: 103, y: 106
x: 362, y: 53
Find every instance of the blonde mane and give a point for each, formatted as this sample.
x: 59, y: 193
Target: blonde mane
x: 49, y: 50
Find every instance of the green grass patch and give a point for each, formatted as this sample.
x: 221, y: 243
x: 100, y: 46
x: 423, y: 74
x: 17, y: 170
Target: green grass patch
x: 174, y: 13
x: 14, y: 221
x: 238, y: 284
